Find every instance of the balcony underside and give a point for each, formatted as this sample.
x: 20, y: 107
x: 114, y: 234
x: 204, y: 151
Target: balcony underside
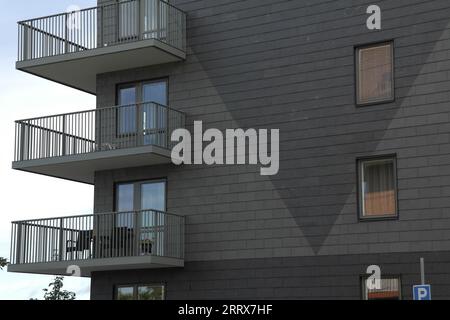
x: 106, y: 264
x: 82, y: 167
x: 79, y: 70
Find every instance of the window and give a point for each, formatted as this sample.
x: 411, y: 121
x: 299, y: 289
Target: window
x: 149, y: 198
x: 156, y: 19
x: 390, y: 289
x: 377, y: 188
x: 150, y: 293
x: 141, y: 195
x: 127, y: 112
x: 142, y: 109
x: 137, y: 196
x: 147, y: 19
x: 125, y: 293
x: 125, y: 205
x: 375, y: 73
x: 128, y: 19
x: 140, y: 292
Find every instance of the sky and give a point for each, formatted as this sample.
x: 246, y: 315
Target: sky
x: 26, y: 195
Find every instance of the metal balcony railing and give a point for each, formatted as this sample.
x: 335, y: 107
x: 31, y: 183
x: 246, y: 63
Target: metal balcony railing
x: 102, y: 26
x: 101, y: 129
x: 98, y: 236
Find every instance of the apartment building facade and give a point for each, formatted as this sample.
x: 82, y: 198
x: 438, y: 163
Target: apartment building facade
x: 364, y: 126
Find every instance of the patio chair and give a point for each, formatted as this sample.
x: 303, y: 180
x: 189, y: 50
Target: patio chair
x: 81, y: 244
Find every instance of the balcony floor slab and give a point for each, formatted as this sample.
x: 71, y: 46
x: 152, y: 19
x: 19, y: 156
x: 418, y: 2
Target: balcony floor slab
x: 82, y: 167
x: 93, y: 265
x: 79, y: 70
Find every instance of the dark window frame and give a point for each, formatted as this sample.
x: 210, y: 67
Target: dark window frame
x: 359, y: 176
x: 138, y: 85
x: 356, y: 68
x: 136, y: 196
x: 135, y: 287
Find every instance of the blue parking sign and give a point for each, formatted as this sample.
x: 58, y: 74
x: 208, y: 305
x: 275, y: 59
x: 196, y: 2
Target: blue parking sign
x: 422, y: 292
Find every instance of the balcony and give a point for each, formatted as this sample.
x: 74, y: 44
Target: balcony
x: 73, y: 48
x: 99, y: 242
x: 74, y: 146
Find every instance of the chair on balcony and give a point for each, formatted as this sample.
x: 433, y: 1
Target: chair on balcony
x: 106, y: 146
x: 76, y: 248
x: 118, y: 243
x: 124, y: 244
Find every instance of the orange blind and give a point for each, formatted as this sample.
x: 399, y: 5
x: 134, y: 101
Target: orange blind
x: 375, y: 73
x: 379, y: 203
x: 383, y: 295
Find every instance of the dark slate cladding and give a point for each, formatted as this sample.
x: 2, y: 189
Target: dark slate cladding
x: 290, y: 65
x: 324, y: 277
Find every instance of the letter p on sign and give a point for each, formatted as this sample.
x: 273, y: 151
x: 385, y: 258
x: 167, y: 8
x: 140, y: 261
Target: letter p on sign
x: 422, y: 292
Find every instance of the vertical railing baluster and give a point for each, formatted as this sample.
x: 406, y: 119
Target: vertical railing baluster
x: 19, y: 243
x: 22, y: 141
x: 166, y: 112
x: 60, y: 246
x: 11, y: 246
x: 24, y: 245
x: 64, y: 135
x: 31, y: 41
x: 66, y: 35
x: 136, y: 217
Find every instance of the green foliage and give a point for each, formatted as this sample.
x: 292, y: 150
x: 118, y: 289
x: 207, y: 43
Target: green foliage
x: 148, y: 293
x: 56, y: 293
x: 3, y: 263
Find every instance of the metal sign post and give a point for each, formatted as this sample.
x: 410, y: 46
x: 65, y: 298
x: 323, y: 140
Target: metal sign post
x: 422, y: 271
x: 423, y: 291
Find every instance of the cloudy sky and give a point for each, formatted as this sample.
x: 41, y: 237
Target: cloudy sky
x: 25, y: 195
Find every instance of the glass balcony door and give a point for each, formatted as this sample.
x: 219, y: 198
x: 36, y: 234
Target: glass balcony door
x: 156, y: 19
x: 145, y: 19
x: 154, y: 115
x: 127, y: 111
x: 153, y: 196
x: 128, y: 14
x: 148, y: 198
x: 144, y: 112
